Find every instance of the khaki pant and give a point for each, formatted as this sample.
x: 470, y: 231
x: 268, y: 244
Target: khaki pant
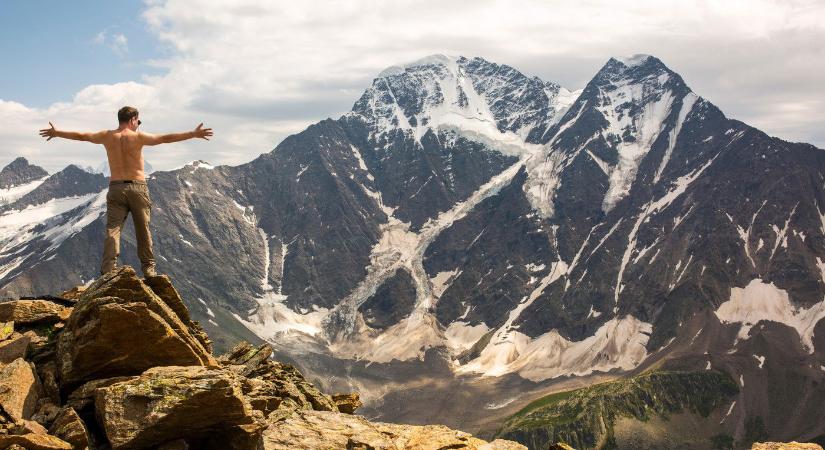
x: 122, y: 199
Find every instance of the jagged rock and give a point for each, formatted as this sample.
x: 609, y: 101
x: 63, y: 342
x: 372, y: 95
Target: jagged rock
x: 310, y: 430
x: 83, y: 397
x: 167, y: 403
x: 244, y: 354
x: 119, y: 312
x: 28, y: 312
x: 70, y: 428
x: 74, y: 293
x: 162, y: 286
x: 14, y: 347
x: 47, y: 372
x: 124, y: 283
x: 270, y: 384
x: 46, y: 414
x: 19, y: 389
x: 785, y: 446
x: 109, y: 336
x: 285, y: 381
x: 28, y: 426
x: 42, y: 343
x: 347, y: 403
x: 34, y: 441
x: 6, y: 330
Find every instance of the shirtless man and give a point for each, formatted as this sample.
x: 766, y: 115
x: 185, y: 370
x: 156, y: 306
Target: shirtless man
x: 128, y: 191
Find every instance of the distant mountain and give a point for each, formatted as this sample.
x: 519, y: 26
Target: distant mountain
x: 468, y: 222
x: 19, y: 172
x: 18, y: 178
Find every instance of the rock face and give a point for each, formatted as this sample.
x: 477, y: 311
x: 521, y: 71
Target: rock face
x: 29, y: 312
x: 120, y: 311
x: 125, y: 368
x: 69, y: 427
x: 167, y: 403
x: 19, y: 389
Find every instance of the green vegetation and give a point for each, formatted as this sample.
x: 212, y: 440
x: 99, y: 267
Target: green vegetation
x: 584, y: 418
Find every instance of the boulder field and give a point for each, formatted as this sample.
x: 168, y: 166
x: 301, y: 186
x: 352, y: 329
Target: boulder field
x: 120, y: 365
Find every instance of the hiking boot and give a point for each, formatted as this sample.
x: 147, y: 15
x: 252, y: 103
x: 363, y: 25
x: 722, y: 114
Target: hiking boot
x: 149, y: 273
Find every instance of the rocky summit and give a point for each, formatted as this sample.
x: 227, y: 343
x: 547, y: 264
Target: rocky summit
x: 120, y: 365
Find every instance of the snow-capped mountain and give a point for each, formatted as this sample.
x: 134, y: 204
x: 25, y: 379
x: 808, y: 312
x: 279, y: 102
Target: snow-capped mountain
x: 19, y: 178
x: 467, y: 220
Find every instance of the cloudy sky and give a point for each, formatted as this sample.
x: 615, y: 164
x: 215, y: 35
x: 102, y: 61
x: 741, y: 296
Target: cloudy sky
x: 258, y: 71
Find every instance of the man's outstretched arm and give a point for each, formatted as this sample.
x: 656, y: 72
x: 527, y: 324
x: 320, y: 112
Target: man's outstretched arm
x: 199, y: 132
x: 52, y: 132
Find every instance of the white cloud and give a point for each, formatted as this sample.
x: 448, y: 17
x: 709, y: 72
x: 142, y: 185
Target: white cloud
x: 117, y: 42
x: 258, y: 71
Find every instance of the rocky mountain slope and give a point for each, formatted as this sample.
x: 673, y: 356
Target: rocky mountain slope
x: 120, y: 365
x: 468, y: 225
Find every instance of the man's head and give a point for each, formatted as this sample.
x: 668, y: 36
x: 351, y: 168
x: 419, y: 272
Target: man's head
x: 128, y: 116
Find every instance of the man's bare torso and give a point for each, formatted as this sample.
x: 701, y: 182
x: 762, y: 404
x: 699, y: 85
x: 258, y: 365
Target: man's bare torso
x: 124, y: 148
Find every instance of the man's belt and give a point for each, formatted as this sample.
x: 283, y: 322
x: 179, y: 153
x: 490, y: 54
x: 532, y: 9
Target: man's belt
x: 127, y: 182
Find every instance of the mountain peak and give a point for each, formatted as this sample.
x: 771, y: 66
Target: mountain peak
x: 460, y: 94
x: 20, y: 172
x: 634, y: 68
x: 633, y: 60
x: 438, y: 59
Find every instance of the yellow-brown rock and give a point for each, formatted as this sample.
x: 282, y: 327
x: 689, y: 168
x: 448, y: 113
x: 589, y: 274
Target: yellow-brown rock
x: 168, y: 403
x: 785, y: 446
x: 19, y: 389
x: 322, y: 430
x: 34, y: 441
x: 27, y: 312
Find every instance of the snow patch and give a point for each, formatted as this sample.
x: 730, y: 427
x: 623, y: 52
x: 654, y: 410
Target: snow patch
x: 764, y: 301
x: 761, y: 360
x: 462, y: 336
x: 618, y: 344
x: 14, y: 193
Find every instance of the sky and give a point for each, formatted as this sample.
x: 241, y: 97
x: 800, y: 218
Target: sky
x: 257, y: 71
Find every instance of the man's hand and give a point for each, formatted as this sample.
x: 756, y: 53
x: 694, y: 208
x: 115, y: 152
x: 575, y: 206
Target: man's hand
x: 48, y: 133
x: 203, y: 133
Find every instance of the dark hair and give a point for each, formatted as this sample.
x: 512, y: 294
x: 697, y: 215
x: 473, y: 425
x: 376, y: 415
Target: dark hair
x: 126, y: 114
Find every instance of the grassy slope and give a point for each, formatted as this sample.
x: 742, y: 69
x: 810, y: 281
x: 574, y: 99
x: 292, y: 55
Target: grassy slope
x: 585, y: 418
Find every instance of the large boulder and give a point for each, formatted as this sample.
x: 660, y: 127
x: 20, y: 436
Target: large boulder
x: 14, y: 347
x: 119, y: 327
x: 69, y: 427
x: 34, y: 441
x: 29, y: 312
x: 321, y: 430
x: 168, y: 403
x: 123, y: 282
x: 347, y: 403
x: 19, y: 389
